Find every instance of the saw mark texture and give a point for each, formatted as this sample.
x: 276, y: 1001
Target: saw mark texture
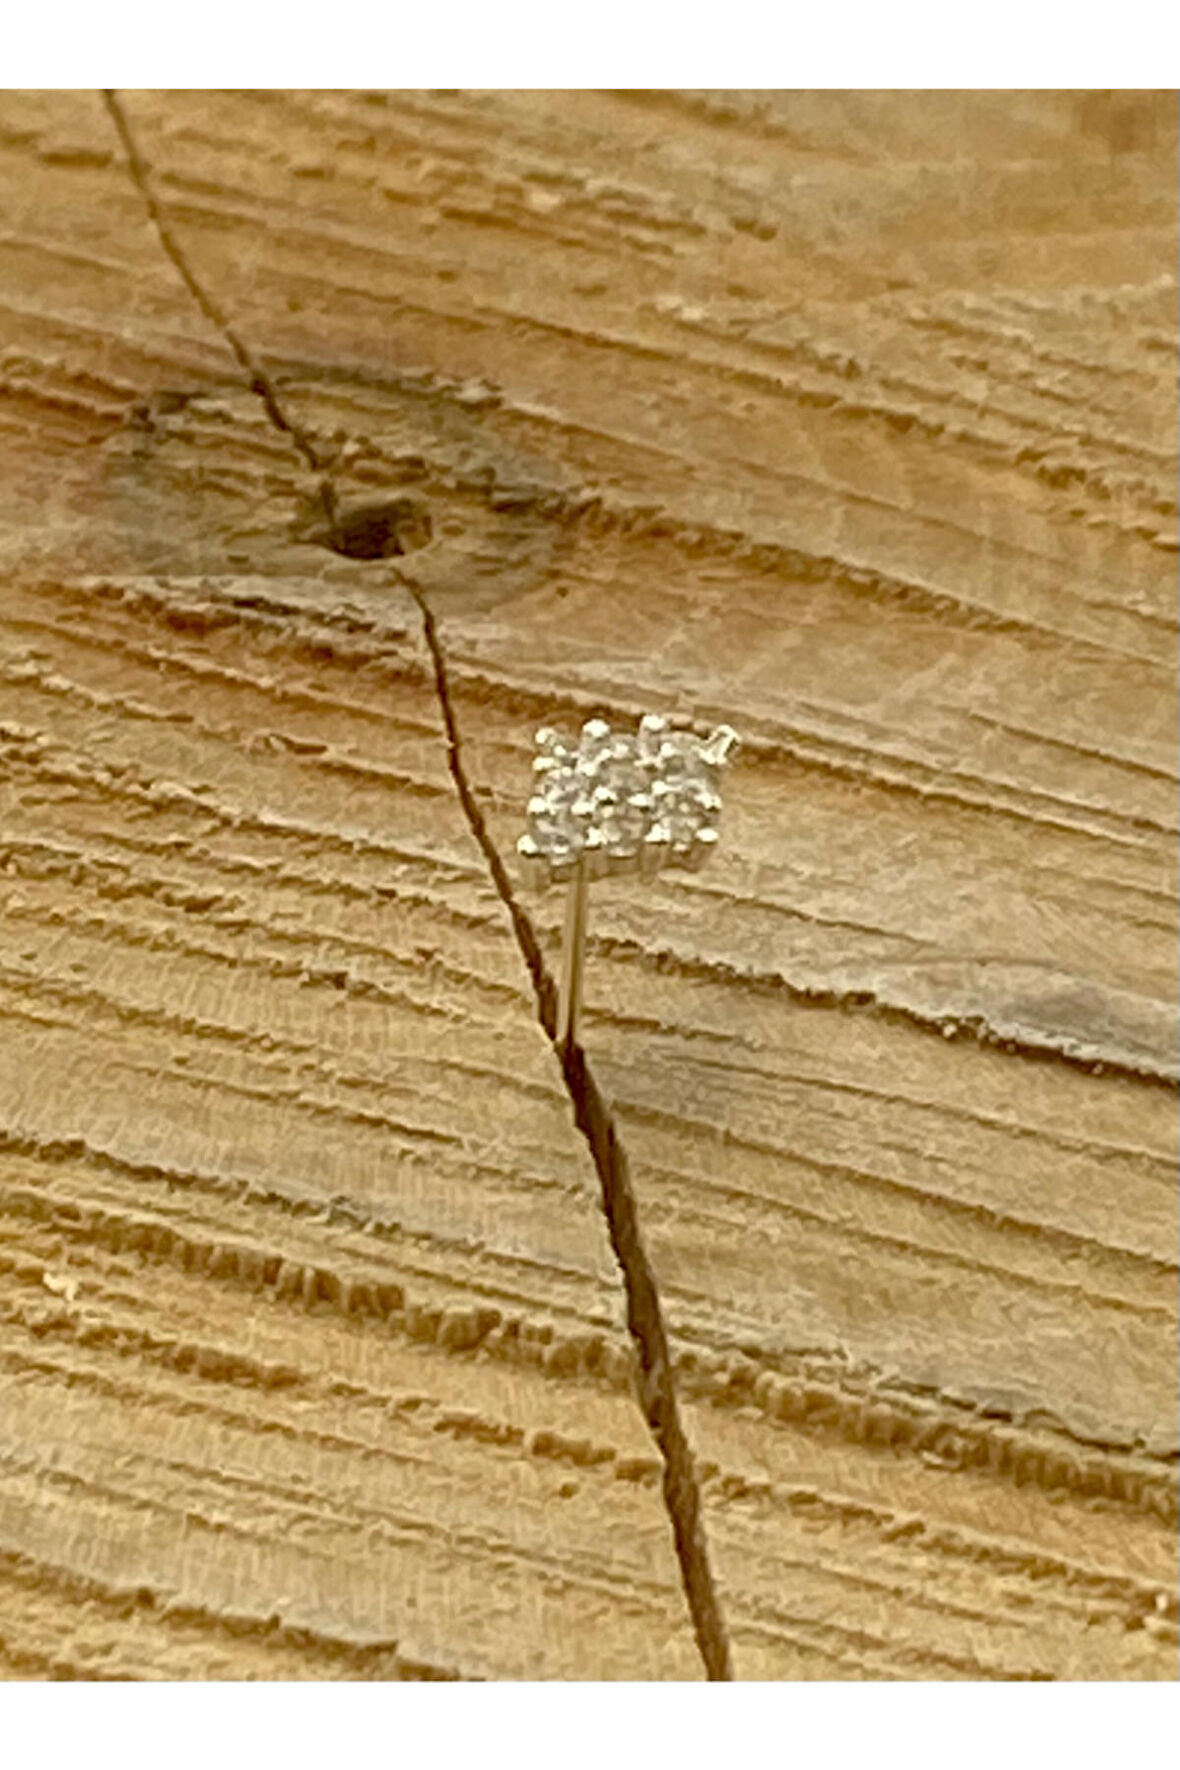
x: 754, y: 409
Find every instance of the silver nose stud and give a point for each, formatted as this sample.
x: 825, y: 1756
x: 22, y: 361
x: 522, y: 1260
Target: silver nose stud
x: 608, y: 803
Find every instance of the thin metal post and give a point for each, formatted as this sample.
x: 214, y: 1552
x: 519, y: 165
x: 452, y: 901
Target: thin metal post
x: 573, y: 957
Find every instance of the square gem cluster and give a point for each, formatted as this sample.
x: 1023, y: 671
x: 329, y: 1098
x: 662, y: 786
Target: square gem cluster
x: 622, y: 801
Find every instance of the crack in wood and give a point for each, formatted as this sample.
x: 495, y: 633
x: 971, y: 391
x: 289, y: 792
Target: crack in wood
x: 656, y: 1387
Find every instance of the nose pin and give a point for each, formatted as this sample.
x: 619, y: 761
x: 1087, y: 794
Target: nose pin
x: 611, y: 803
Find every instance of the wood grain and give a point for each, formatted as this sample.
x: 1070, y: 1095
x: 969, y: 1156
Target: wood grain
x: 847, y: 418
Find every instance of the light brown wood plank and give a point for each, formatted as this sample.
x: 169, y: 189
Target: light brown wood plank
x: 754, y: 407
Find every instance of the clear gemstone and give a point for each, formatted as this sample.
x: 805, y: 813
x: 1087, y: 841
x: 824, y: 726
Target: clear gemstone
x: 620, y: 798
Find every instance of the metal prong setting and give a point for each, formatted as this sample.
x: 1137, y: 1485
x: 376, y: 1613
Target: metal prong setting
x: 614, y: 803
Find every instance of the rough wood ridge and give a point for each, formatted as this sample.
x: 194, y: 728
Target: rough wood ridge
x: 765, y: 409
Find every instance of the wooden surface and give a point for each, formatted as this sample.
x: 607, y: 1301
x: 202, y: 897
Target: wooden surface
x: 846, y: 418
